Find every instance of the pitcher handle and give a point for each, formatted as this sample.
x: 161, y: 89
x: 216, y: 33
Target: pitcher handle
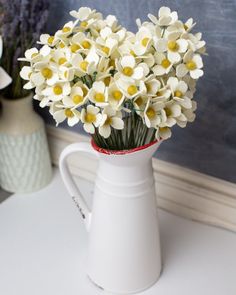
x: 69, y: 182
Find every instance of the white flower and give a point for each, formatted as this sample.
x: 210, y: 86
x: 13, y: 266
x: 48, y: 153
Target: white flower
x: 143, y: 41
x: 57, y: 91
x: 48, y: 40
x: 82, y: 14
x: 163, y: 94
x: 152, y: 85
x: 173, y: 45
x: 31, y: 55
x: 163, y: 133
x: 107, y: 47
x: 98, y: 94
x: 152, y: 114
x: 91, y: 118
x: 87, y: 65
x: 128, y: 68
x: 166, y: 17
x: 110, y: 118
x: 76, y: 98
x: 82, y: 40
x: 66, y: 30
x: 115, y: 96
x: 44, y: 73
x: 140, y: 103
x: 192, y: 64
x: 131, y: 89
x: 172, y: 111
x: 163, y: 64
x: 72, y: 115
x: 179, y: 90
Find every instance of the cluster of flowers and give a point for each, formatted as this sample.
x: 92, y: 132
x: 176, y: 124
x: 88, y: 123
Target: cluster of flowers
x: 94, y: 71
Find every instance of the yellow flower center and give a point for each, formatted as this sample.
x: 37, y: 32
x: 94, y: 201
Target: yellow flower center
x: 83, y: 24
x: 47, y: 73
x: 145, y: 41
x: 108, y: 121
x: 66, y: 29
x: 85, y: 91
x: 112, y: 63
x: 90, y: 118
x: 132, y: 89
x: 62, y: 60
x: 173, y: 46
x: 107, y: 81
x: 50, y: 40
x: 74, y: 48
x: 132, y: 53
x: 62, y: 45
x: 178, y: 93
x: 165, y: 63
x: 168, y: 112
x: 34, y: 55
x: 66, y: 74
x: 69, y: 113
x: 148, y: 87
x: 139, y: 101
x: 185, y: 27
x: 128, y: 71
x: 57, y: 90
x: 99, y: 97
x: 77, y: 99
x: 151, y: 113
x: 84, y: 65
x: 117, y: 95
x: 191, y: 65
x: 106, y: 50
x: 86, y: 44
x: 159, y: 93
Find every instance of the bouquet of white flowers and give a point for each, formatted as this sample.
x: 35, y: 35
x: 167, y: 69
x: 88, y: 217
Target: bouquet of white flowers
x: 126, y: 89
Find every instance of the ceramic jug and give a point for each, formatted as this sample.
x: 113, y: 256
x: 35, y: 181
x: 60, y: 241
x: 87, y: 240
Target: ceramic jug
x: 124, y: 246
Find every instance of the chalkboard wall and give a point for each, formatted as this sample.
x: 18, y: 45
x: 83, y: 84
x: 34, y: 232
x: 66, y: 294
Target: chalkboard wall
x: 209, y: 144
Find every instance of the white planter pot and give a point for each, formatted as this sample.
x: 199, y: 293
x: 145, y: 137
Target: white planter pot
x: 24, y: 157
x: 124, y: 247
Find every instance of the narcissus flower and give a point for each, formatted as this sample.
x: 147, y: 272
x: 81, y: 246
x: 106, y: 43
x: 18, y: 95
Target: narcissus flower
x: 110, y: 118
x: 192, y: 64
x: 91, y: 118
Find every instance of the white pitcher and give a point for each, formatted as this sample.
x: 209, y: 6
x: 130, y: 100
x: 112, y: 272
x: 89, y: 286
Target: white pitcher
x: 124, y: 246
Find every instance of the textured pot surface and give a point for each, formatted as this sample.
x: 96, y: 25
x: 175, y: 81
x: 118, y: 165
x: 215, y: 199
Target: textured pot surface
x: 24, y: 155
x: 124, y: 246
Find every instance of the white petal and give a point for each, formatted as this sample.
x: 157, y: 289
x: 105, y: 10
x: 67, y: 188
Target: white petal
x: 59, y: 116
x: 128, y: 61
x: 152, y: 18
x: 182, y: 86
x: 99, y: 86
x: 161, y: 45
x: 158, y: 70
x: 174, y: 57
x: 89, y: 128
x: 183, y: 45
x: 175, y: 110
x: 138, y: 73
x: 164, y: 10
x: 164, y: 20
x: 105, y: 131
x: 181, y: 70
x: 198, y: 60
x: 173, y: 82
x: 73, y: 121
x: 25, y: 72
x: 195, y: 74
x: 37, y: 78
x: 117, y: 123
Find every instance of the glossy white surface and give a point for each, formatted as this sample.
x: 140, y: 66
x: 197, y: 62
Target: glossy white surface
x: 43, y: 247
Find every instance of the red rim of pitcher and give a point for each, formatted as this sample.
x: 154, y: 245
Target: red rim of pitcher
x: 122, y: 152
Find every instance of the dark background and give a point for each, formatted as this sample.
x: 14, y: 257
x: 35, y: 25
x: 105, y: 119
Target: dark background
x: 209, y: 144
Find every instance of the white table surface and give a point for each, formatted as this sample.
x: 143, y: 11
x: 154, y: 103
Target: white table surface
x: 43, y: 250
